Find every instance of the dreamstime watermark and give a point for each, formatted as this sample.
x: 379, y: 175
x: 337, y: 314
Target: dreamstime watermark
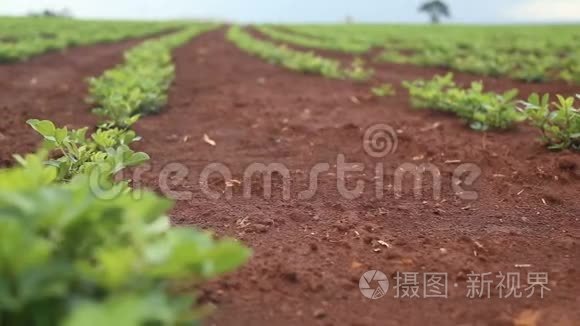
x: 380, y: 141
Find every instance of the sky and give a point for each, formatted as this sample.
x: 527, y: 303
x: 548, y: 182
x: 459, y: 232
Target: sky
x: 300, y: 11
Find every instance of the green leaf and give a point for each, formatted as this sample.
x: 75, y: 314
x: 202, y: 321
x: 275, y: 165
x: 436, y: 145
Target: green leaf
x: 510, y: 95
x: 479, y: 126
x: 138, y: 158
x: 60, y: 134
x: 44, y: 127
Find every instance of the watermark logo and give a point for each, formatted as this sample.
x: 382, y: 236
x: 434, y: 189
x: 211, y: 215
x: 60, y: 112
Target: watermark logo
x: 380, y: 140
x: 374, y: 284
x: 388, y: 176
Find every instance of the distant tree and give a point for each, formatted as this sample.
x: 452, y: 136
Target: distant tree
x: 435, y: 9
x: 64, y: 13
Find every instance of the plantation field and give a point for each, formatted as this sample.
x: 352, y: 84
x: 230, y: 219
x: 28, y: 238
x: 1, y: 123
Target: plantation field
x: 529, y: 53
x: 22, y: 38
x: 196, y: 173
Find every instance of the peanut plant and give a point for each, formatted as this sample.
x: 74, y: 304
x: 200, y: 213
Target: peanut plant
x: 139, y: 85
x: 482, y: 110
x: 559, y: 122
x: 306, y: 62
x: 106, y: 150
x: 68, y: 257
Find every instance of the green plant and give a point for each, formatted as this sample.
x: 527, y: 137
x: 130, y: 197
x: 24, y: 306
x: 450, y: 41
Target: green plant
x: 138, y: 86
x: 489, y: 63
x: 384, y: 90
x: 559, y: 121
x: 33, y: 36
x: 358, y: 71
x: 533, y: 68
x: 430, y: 94
x: 68, y: 257
x: 122, y: 97
x: 105, y: 150
x: 482, y: 110
x: 571, y: 70
x: 348, y: 46
x: 307, y: 62
x: 530, y: 54
x: 394, y: 57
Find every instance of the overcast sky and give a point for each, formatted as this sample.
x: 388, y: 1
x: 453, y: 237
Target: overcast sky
x: 464, y: 11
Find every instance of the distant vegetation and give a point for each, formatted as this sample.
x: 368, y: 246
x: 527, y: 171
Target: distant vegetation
x: 63, y: 13
x: 436, y: 10
x: 22, y: 38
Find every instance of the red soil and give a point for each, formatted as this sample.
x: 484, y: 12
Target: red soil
x: 310, y: 254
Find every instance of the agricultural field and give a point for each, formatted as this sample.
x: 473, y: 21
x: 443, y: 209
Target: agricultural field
x: 22, y: 38
x: 188, y: 173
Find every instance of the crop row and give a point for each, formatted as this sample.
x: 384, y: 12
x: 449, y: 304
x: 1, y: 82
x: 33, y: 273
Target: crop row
x: 138, y: 86
x: 342, y: 45
x: 527, y: 53
x: 22, y: 38
x: 559, y: 122
x: 307, y: 62
x: 528, y: 67
x: 340, y: 34
x: 78, y: 247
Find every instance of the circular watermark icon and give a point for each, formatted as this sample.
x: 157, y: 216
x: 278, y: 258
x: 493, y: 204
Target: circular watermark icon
x: 380, y: 140
x: 376, y: 278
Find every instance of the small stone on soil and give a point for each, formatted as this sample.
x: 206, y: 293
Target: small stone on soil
x: 319, y: 314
